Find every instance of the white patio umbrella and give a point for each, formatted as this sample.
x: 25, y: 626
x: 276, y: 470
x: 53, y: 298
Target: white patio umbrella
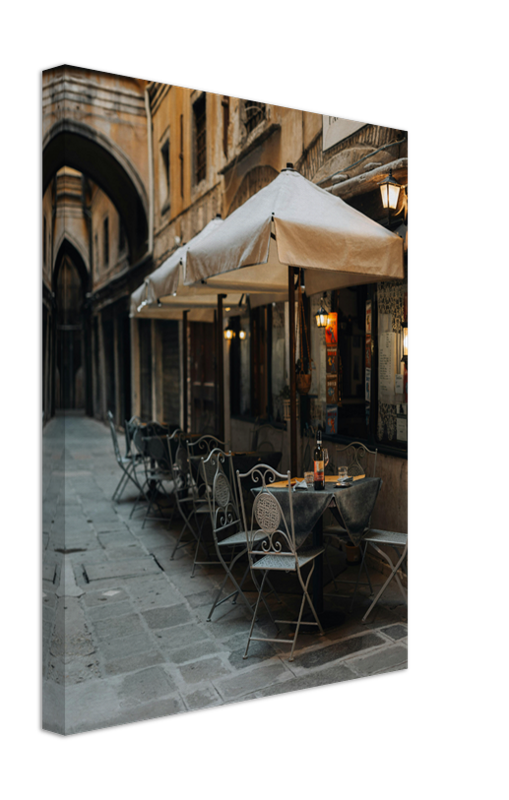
x: 164, y: 295
x: 293, y: 223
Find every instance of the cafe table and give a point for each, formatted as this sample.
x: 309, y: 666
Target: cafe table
x: 352, y: 505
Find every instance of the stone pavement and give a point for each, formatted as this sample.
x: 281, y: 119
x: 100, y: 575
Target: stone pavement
x: 124, y: 627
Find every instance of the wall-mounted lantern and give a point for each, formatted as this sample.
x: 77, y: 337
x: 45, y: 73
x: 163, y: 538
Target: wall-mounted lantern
x: 242, y: 334
x: 390, y: 189
x: 405, y: 344
x: 229, y: 333
x: 322, y: 315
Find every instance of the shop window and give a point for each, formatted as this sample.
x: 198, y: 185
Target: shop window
x: 392, y: 399
x: 251, y: 364
x: 359, y: 388
x: 240, y: 366
x: 200, y: 138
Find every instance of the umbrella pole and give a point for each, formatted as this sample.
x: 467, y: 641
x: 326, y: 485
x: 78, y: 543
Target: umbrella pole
x: 220, y: 364
x: 184, y: 369
x: 293, y: 384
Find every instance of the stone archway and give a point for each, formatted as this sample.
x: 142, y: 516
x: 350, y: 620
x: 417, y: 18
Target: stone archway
x: 74, y: 144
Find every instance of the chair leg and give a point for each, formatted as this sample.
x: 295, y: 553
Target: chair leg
x: 363, y: 565
x: 238, y: 586
x: 254, y: 614
x: 305, y: 596
x: 392, y: 574
x: 118, y: 489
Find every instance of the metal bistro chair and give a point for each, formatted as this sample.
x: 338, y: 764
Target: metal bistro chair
x: 230, y: 540
x: 139, y: 444
x: 159, y: 476
x: 277, y: 550
x: 198, y: 450
x: 336, y: 534
x: 399, y: 543
x: 126, y: 463
x: 184, y: 490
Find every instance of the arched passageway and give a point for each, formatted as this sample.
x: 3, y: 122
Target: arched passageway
x: 72, y: 361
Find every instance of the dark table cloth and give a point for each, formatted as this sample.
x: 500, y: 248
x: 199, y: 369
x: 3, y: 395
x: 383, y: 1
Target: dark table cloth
x: 352, y: 506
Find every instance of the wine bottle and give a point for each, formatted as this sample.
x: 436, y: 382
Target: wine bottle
x: 319, y: 466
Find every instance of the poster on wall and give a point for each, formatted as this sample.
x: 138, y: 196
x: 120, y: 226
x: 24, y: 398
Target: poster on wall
x: 331, y: 362
x: 332, y: 389
x: 331, y: 330
x: 331, y: 426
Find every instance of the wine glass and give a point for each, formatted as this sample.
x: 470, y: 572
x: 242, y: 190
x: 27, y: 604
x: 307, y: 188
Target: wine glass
x: 325, y: 453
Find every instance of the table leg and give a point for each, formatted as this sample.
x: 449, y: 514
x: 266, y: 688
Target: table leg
x: 318, y: 573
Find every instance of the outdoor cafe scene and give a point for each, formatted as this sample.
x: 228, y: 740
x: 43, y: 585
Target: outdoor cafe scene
x: 225, y: 379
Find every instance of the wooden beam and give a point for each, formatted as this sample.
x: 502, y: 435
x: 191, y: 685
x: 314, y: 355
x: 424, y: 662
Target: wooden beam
x: 369, y: 181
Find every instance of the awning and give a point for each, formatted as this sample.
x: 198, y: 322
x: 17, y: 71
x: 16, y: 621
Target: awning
x: 292, y: 222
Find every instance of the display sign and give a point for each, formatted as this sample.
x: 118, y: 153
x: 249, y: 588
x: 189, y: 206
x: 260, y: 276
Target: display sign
x: 331, y: 362
x: 367, y: 393
x: 386, y: 367
x: 331, y: 330
x: 335, y: 129
x: 368, y: 316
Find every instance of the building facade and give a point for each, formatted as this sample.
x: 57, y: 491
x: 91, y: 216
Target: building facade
x: 134, y: 169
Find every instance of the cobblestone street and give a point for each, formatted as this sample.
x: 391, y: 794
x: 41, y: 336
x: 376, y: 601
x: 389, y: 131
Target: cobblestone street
x: 125, y: 628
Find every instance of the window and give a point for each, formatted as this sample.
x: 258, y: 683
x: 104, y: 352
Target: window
x: 106, y: 242
x: 96, y: 252
x: 200, y: 138
x: 254, y: 113
x: 225, y: 102
x: 165, y: 181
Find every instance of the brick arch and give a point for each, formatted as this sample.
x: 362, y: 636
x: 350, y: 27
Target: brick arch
x: 253, y: 181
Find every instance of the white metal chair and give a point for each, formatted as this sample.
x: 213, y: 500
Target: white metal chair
x: 126, y: 463
x: 399, y: 543
x: 351, y: 455
x: 230, y: 540
x: 277, y: 550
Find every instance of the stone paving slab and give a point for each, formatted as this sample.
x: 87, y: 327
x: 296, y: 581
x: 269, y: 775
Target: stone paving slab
x: 128, y: 568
